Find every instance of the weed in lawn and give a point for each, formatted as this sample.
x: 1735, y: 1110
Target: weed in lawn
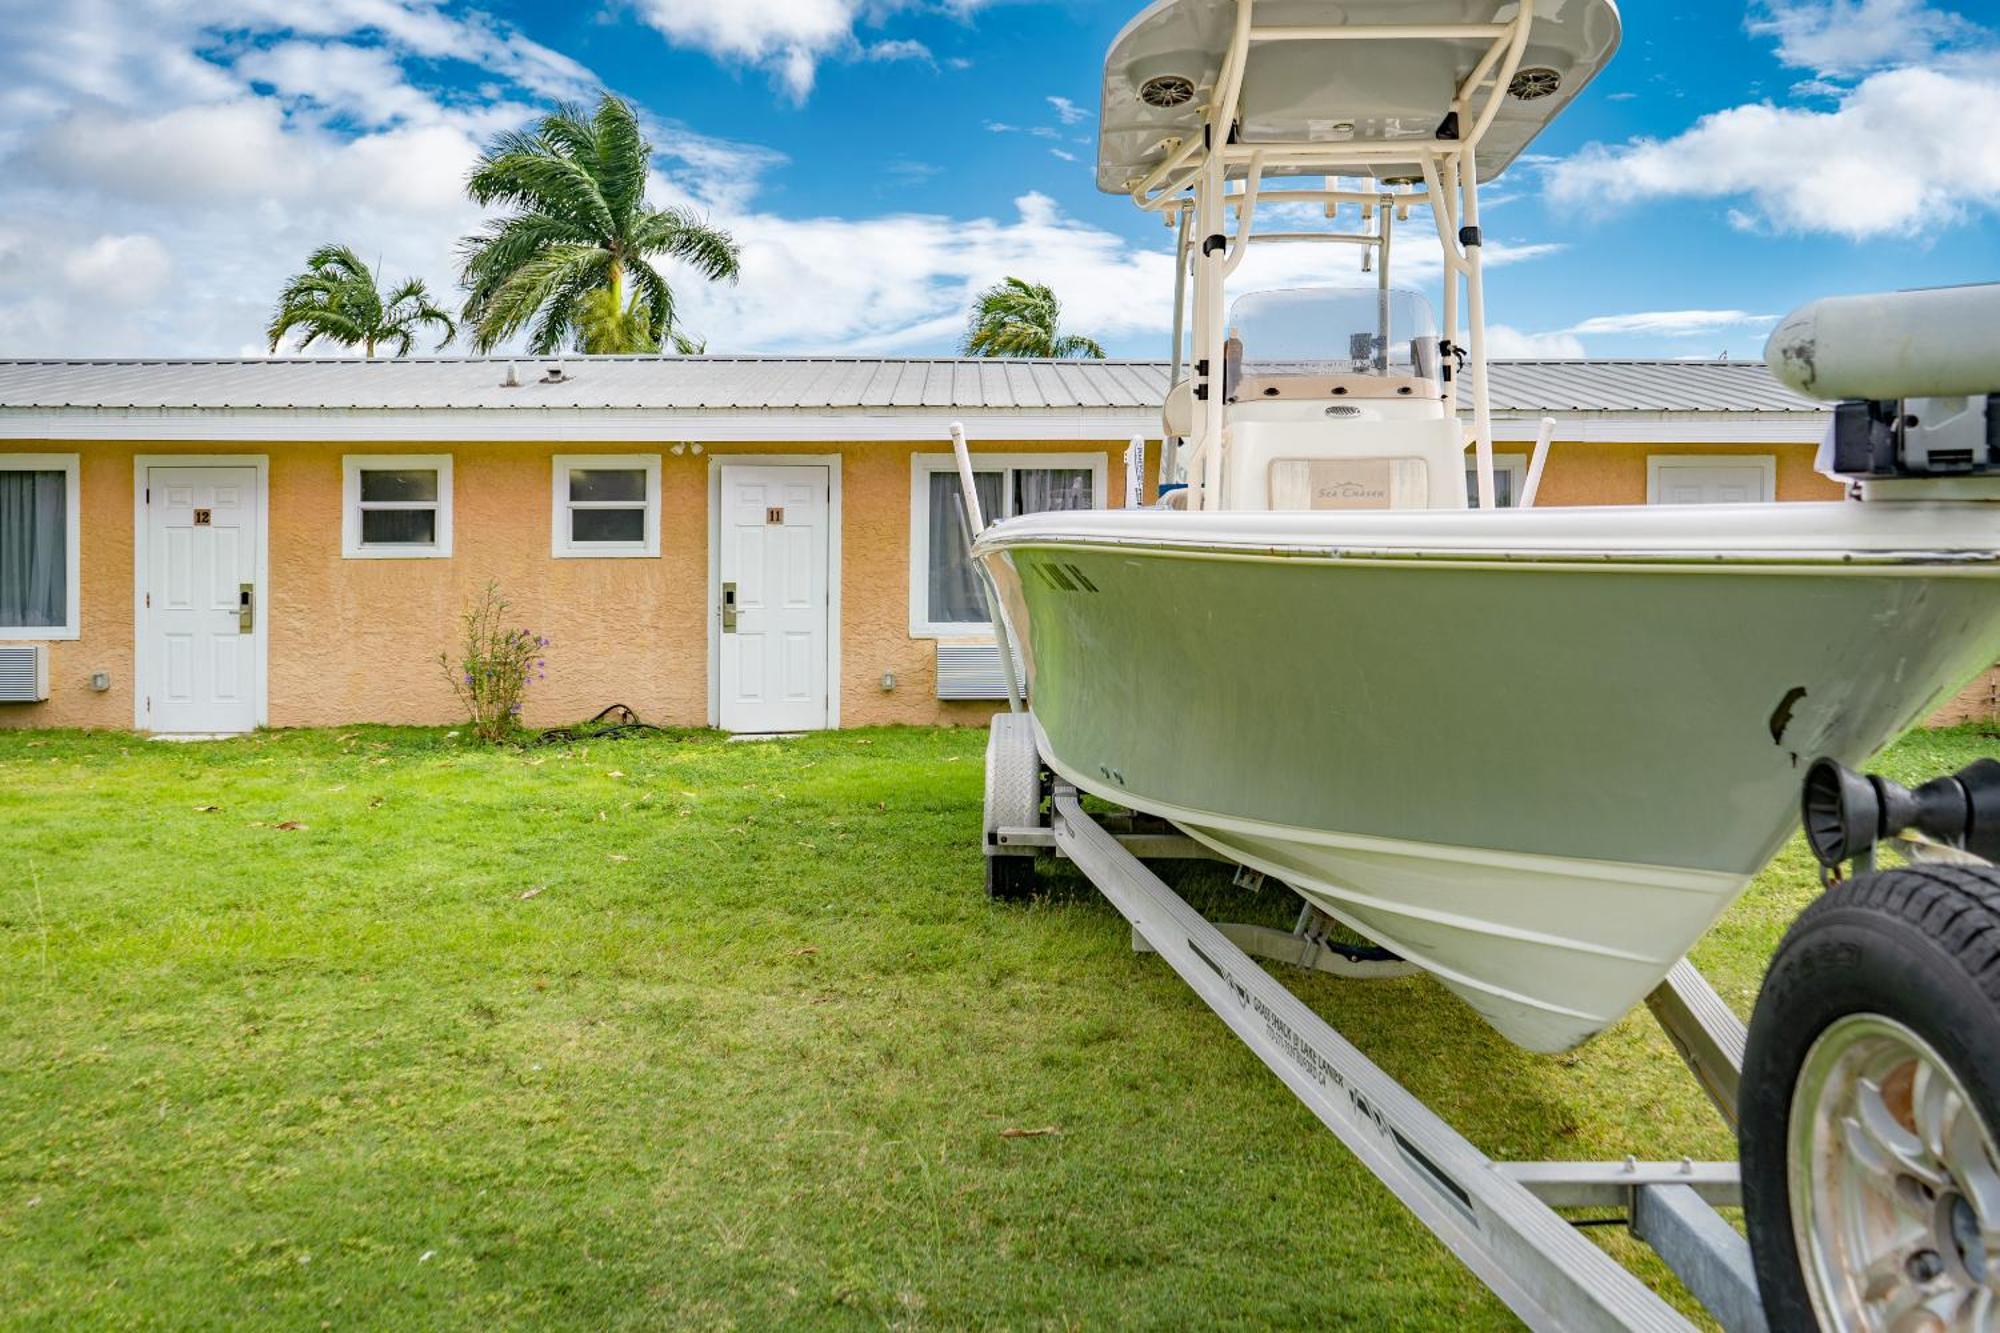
x: 676, y: 1032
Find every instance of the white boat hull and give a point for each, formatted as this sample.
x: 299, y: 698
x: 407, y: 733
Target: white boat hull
x: 1537, y: 754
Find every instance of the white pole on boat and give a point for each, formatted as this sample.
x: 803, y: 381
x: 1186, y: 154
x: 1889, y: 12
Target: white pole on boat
x: 1533, y: 486
x: 1205, y: 492
x: 1444, y: 216
x: 1475, y: 319
x: 1385, y: 215
x: 975, y: 523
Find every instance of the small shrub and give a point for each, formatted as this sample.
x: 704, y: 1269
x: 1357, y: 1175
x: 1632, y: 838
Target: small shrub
x: 496, y: 665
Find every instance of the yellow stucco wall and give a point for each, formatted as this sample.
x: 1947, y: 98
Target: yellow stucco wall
x: 1615, y: 474
x: 358, y: 640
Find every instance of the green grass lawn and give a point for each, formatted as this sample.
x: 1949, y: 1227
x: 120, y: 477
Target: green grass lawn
x: 677, y: 1032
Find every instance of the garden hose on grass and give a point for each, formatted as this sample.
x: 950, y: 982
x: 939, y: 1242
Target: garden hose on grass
x: 615, y: 723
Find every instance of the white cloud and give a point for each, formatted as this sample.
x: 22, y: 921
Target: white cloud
x: 1508, y: 343
x: 787, y: 38
x: 1063, y: 153
x: 1906, y: 150
x: 182, y: 190
x: 121, y: 270
x: 1068, y: 112
x: 1669, y: 323
x: 898, y: 50
x: 1844, y: 37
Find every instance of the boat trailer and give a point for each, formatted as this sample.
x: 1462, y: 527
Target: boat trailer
x: 1499, y: 1218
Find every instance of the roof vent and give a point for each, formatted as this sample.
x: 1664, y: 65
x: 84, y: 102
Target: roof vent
x: 1534, y: 83
x: 554, y: 374
x: 1166, y: 91
x: 513, y: 380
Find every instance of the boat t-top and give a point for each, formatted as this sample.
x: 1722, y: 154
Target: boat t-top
x: 1534, y: 752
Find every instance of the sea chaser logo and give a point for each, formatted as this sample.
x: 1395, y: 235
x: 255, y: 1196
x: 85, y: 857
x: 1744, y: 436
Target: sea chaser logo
x: 1351, y: 483
x: 1332, y: 483
x: 1348, y: 494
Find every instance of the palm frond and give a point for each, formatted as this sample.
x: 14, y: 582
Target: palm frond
x: 677, y: 233
x: 1022, y: 319
x: 621, y: 157
x: 1076, y: 345
x: 559, y: 271
x: 574, y: 190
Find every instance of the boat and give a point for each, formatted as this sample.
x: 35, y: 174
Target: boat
x: 1534, y: 751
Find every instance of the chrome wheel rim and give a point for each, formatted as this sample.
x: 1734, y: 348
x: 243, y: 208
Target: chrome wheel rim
x: 1895, y: 1186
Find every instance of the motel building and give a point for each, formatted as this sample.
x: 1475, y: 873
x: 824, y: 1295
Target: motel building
x: 759, y: 544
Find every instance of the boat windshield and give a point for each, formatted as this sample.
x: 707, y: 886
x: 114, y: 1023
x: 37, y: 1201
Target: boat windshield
x: 1336, y: 331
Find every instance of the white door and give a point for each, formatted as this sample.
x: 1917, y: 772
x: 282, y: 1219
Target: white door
x: 202, y: 656
x: 773, y: 599
x: 1708, y: 483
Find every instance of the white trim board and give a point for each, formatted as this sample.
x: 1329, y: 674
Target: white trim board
x: 713, y: 615
x: 71, y: 466
x: 568, y: 425
x: 654, y: 427
x: 261, y: 626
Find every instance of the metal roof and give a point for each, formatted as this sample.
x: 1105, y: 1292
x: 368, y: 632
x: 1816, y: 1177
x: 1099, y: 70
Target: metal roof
x: 793, y: 384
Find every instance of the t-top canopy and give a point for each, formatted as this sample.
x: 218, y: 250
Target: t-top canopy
x: 1357, y: 72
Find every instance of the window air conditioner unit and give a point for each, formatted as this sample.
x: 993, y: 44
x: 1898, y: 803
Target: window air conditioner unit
x: 24, y: 673
x: 972, y: 671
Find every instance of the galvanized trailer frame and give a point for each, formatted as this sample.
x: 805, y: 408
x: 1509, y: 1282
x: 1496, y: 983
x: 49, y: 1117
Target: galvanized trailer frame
x: 1499, y: 1218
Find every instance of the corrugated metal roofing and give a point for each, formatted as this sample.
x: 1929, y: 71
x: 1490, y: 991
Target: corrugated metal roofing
x: 794, y: 384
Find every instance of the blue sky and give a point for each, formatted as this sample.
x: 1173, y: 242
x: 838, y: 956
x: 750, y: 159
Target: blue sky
x: 165, y: 163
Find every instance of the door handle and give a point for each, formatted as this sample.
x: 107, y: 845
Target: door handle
x: 246, y: 608
x: 729, y: 608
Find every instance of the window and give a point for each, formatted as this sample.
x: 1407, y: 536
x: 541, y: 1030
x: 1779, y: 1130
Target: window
x: 945, y: 596
x: 1510, y: 474
x: 1707, y: 479
x: 397, y: 506
x: 606, y: 505
x: 40, y: 537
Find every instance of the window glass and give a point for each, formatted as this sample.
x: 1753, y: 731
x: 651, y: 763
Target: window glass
x: 387, y: 486
x: 34, y: 549
x: 607, y: 525
x: 398, y: 527
x: 601, y: 484
x: 1040, y: 490
x: 1503, y: 487
x: 954, y: 595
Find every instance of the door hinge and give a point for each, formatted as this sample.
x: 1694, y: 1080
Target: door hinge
x: 149, y: 601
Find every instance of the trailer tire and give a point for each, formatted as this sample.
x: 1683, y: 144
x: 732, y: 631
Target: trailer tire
x: 1885, y: 980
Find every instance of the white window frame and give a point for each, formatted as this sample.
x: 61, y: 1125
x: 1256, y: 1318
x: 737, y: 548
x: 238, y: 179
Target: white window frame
x: 1767, y: 463
x: 560, y: 505
x: 922, y: 467
x: 69, y: 466
x: 353, y: 465
x: 1512, y: 465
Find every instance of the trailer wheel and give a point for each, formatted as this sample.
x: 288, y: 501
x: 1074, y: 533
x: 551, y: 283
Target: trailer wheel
x: 1869, y: 1106
x: 1016, y: 789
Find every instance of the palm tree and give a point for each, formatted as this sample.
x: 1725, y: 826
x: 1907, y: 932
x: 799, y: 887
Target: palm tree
x: 1016, y: 318
x: 337, y: 299
x: 578, y: 224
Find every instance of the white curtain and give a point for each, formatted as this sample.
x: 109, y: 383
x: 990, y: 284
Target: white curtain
x: 1039, y: 490
x: 34, y: 549
x: 955, y: 597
